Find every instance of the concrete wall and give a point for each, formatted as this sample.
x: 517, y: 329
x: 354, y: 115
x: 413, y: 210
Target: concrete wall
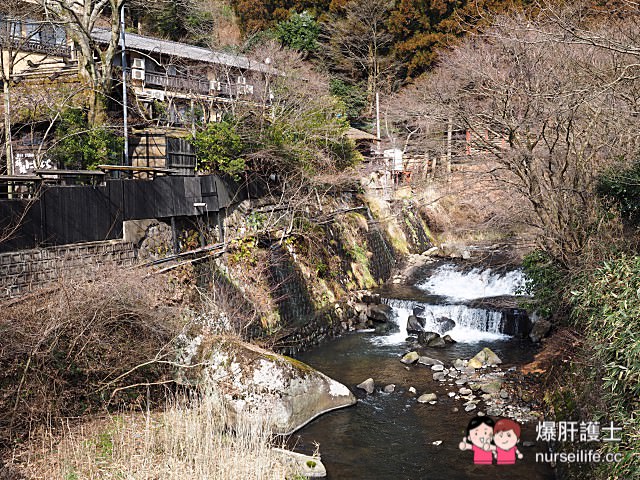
x: 27, y: 270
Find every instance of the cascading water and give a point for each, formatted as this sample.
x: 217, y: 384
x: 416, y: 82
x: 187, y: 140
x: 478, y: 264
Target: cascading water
x: 449, y: 281
x: 471, y: 324
x: 458, y: 286
x: 391, y: 435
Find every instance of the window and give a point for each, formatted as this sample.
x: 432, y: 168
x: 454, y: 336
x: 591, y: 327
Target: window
x: 32, y: 29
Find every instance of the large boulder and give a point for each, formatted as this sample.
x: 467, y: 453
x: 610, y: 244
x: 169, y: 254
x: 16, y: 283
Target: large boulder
x: 409, y: 358
x: 437, y: 342
x: 379, y: 313
x: 484, y: 357
x: 261, y: 384
x: 415, y: 325
x: 444, y: 324
x: 305, y: 466
x: 431, y: 339
x: 425, y: 337
x: 539, y: 330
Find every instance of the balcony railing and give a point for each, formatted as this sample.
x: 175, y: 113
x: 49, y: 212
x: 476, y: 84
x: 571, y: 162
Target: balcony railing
x: 176, y: 83
x: 35, y: 45
x: 190, y: 84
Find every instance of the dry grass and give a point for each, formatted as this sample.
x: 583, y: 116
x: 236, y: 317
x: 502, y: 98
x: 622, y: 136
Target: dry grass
x: 188, y: 440
x: 77, y: 348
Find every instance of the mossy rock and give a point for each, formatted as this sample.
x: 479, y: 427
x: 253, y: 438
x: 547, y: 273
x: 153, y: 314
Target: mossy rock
x: 261, y: 384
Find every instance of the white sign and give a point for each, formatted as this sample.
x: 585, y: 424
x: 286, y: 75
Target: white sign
x: 26, y: 163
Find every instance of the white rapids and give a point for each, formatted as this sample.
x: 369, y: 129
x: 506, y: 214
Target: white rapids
x: 448, y: 281
x: 471, y: 324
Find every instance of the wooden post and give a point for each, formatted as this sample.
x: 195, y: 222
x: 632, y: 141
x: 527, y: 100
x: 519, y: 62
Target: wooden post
x: 174, y: 233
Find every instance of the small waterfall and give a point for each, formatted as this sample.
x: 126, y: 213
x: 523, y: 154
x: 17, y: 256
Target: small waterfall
x: 449, y: 281
x: 472, y: 324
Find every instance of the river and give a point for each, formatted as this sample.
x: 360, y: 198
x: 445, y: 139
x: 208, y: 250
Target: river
x: 389, y: 435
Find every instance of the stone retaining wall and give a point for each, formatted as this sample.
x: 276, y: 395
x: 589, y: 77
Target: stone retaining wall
x: 27, y: 270
x: 314, y: 327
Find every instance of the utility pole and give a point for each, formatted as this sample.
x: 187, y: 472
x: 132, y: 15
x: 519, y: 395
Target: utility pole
x: 7, y: 131
x: 124, y: 88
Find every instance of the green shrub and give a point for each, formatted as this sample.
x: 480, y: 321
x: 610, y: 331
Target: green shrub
x: 607, y: 308
x: 354, y: 97
x: 78, y: 146
x: 299, y: 32
x: 218, y: 149
x: 622, y: 188
x: 544, y: 282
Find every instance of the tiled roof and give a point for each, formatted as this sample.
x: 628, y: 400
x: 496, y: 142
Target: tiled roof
x: 183, y: 50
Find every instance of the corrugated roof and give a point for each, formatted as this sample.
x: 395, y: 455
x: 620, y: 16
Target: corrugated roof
x: 183, y: 50
x: 356, y: 134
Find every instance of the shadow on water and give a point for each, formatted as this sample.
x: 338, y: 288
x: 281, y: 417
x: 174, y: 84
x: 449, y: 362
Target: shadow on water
x: 391, y: 436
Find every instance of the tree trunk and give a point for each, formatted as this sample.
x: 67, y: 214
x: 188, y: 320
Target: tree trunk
x: 7, y: 134
x: 449, y: 146
x: 7, y: 127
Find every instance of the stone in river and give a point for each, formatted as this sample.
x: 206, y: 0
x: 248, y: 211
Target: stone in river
x: 437, y: 342
x: 427, y: 397
x: 491, y: 387
x: 429, y: 361
x: 379, y: 313
x: 368, y: 385
x: 459, y: 364
x: 389, y: 388
x: 409, y: 358
x: 445, y: 324
x: 484, y: 357
x: 425, y: 337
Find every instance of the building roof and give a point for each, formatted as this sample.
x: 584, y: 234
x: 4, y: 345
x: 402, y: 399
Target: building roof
x: 183, y: 50
x: 356, y: 134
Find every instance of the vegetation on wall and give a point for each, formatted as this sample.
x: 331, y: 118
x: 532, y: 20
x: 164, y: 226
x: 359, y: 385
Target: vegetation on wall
x: 79, y: 146
x: 218, y: 149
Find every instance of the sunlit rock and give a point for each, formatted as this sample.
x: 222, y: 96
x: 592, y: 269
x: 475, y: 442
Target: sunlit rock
x: 283, y: 392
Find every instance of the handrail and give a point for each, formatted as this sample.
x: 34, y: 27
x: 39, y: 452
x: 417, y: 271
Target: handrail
x: 34, y: 45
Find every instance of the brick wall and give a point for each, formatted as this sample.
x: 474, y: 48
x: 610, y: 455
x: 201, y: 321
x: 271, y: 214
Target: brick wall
x: 27, y: 270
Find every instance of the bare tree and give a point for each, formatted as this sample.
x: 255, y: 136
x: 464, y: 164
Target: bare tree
x: 552, y: 112
x: 358, y: 43
x: 95, y: 62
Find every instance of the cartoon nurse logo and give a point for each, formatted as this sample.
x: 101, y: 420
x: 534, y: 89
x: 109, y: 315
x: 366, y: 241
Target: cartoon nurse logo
x: 478, y: 439
x: 506, y: 434
x: 488, y: 440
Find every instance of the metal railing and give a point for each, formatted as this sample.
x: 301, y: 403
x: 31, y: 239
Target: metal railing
x: 178, y: 83
x: 35, y: 45
x: 198, y: 85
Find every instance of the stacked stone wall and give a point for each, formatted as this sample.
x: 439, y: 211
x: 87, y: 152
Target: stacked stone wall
x: 24, y: 271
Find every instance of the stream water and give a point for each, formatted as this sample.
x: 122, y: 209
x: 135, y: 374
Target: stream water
x: 391, y: 436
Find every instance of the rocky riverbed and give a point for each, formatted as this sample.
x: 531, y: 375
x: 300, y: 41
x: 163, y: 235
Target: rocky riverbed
x: 478, y: 384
